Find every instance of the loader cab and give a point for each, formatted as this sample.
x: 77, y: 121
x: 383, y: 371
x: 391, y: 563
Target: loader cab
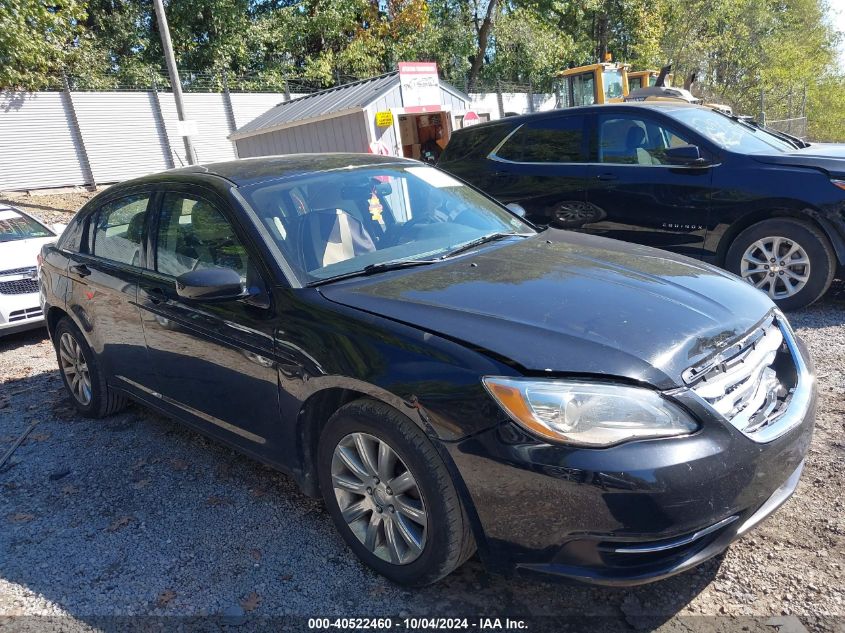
x: 646, y: 79
x: 594, y: 83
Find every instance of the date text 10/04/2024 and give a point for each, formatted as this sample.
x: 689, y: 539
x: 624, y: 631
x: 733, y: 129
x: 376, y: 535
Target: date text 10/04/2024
x: 418, y: 623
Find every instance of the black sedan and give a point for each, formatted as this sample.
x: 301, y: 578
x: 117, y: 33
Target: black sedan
x: 444, y: 375
x: 684, y: 178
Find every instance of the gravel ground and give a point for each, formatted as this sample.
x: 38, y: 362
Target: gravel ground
x: 136, y: 515
x: 51, y: 209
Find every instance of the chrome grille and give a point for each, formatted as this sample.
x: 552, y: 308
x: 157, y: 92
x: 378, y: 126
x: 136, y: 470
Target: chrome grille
x: 18, y: 281
x: 26, y: 270
x: 751, y: 382
x: 18, y: 287
x: 22, y: 315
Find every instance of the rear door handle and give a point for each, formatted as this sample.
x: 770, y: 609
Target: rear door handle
x: 80, y: 269
x: 607, y: 177
x: 156, y: 295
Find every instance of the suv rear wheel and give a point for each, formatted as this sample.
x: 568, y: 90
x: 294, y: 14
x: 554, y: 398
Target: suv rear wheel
x: 790, y: 260
x: 390, y: 495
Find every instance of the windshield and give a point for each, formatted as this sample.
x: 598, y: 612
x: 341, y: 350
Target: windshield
x: 341, y: 221
x: 729, y: 133
x: 14, y: 226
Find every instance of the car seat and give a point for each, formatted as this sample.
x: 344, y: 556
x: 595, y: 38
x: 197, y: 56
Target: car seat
x: 329, y: 236
x: 635, y: 146
x: 213, y: 239
x: 134, y: 234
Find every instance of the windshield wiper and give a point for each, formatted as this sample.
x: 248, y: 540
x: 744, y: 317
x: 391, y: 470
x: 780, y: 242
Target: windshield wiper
x: 396, y: 264
x: 796, y: 142
x: 372, y: 269
x: 492, y: 237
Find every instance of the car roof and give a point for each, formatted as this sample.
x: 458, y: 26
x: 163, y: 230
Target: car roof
x: 248, y: 171
x: 664, y: 106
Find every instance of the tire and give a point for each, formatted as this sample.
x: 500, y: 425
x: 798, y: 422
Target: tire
x: 99, y: 400
x: 443, y: 535
x: 780, y: 236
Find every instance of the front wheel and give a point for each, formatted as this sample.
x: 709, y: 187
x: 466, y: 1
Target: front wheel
x: 390, y: 495
x: 790, y: 260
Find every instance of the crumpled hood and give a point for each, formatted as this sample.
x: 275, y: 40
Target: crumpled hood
x: 570, y: 303
x: 829, y: 157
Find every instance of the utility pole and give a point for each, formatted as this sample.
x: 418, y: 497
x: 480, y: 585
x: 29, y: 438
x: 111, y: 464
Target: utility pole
x: 175, y: 84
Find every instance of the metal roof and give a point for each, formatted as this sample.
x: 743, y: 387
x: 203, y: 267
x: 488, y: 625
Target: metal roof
x: 351, y: 97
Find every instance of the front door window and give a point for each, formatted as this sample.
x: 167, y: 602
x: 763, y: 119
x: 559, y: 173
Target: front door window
x: 635, y: 141
x: 194, y: 234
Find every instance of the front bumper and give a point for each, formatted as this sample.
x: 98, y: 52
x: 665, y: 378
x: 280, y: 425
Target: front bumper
x: 629, y: 514
x: 20, y: 312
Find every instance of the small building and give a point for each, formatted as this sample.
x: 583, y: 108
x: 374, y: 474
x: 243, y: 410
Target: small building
x: 363, y: 116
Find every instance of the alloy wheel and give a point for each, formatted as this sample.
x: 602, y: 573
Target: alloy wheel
x: 379, y: 498
x: 75, y: 368
x: 778, y: 266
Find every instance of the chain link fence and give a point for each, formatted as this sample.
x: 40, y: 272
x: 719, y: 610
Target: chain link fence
x: 194, y: 81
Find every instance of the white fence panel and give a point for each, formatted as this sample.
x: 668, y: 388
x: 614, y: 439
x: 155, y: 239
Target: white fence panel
x: 121, y: 134
x: 39, y: 146
x: 209, y: 110
x: 248, y: 105
x: 516, y: 102
x: 52, y: 139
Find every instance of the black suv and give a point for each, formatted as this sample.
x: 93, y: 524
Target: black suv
x: 684, y: 178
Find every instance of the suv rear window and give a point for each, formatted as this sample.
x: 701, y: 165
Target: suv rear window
x: 475, y: 142
x: 558, y: 140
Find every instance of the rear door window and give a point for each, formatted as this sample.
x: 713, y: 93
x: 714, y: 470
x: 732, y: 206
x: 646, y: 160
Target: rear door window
x: 118, y: 229
x: 558, y: 140
x: 475, y: 142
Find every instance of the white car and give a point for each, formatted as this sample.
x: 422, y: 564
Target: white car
x: 21, y: 239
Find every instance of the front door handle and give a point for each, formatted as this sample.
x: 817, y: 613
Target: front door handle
x: 606, y: 177
x: 80, y: 269
x: 156, y: 295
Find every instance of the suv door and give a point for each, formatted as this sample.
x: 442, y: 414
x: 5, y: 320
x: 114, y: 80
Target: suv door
x: 542, y: 166
x: 640, y: 197
x: 213, y: 359
x: 103, y: 287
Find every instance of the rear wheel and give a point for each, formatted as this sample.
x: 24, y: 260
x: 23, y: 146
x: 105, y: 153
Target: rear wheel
x: 788, y: 259
x: 390, y: 494
x: 81, y: 373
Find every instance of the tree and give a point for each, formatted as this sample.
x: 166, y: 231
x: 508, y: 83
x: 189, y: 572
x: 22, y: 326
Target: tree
x: 517, y: 57
x: 483, y: 28
x: 35, y: 39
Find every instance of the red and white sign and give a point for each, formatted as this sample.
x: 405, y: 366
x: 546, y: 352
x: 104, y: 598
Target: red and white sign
x: 379, y: 148
x: 470, y: 119
x: 420, y: 86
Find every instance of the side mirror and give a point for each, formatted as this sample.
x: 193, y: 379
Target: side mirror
x: 516, y: 209
x: 58, y: 229
x: 686, y: 155
x: 210, y: 284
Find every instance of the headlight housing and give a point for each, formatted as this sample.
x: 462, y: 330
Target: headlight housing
x: 588, y: 413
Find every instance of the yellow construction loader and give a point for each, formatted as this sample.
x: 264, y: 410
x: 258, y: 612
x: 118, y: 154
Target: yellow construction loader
x: 613, y: 82
x: 606, y: 82
x: 645, y: 79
